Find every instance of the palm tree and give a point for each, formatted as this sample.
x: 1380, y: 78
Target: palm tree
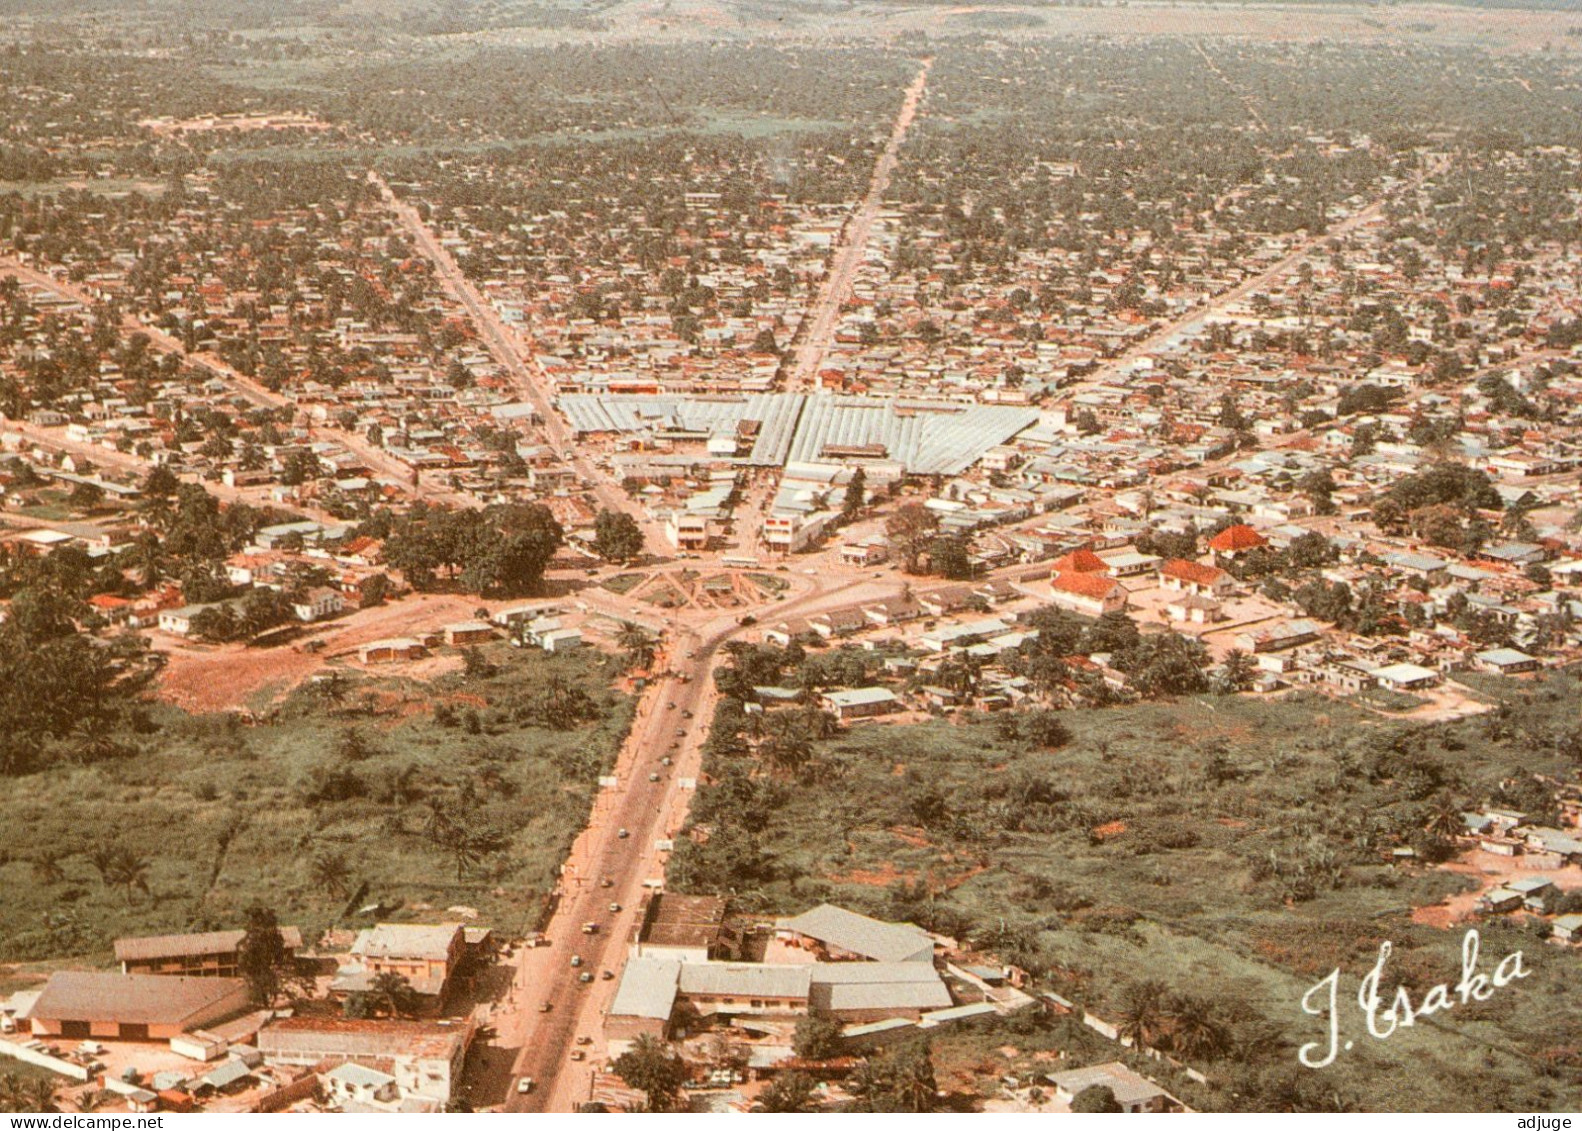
x: 120, y: 867
x: 1445, y: 819
x: 1194, y: 1029
x: 391, y: 993
x: 785, y: 751
x: 1236, y: 672
x: 10, y: 1092
x: 638, y: 646
x: 1142, y: 1015
x: 38, y: 1094
x: 148, y: 556
x: 330, y: 871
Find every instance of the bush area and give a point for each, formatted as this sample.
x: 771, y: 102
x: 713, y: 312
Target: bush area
x: 1230, y: 849
x: 466, y: 790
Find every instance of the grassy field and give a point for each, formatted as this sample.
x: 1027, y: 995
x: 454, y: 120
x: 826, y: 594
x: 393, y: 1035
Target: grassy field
x: 1232, y: 847
x: 358, y: 773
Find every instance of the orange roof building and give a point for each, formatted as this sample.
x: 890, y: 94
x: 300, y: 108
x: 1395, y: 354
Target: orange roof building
x: 1080, y: 561
x: 1194, y: 577
x: 1237, y: 539
x: 1091, y: 594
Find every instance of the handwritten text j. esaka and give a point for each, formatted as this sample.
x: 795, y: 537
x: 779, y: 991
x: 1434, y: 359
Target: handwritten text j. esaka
x: 1322, y: 999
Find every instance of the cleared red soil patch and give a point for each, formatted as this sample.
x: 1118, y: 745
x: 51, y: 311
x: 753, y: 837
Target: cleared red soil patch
x: 873, y: 877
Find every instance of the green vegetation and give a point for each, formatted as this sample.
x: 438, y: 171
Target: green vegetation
x: 616, y: 536
x: 1186, y: 867
x: 500, y: 550
x: 463, y: 791
x: 653, y: 1068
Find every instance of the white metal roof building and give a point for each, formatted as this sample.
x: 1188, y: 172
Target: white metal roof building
x: 924, y: 437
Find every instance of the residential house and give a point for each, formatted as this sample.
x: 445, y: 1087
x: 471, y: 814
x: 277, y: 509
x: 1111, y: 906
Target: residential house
x: 1193, y: 577
x: 1506, y: 661
x: 1090, y: 594
x: 1133, y: 1091
x: 1405, y: 677
x: 1235, y: 540
x: 316, y: 604
x: 860, y: 702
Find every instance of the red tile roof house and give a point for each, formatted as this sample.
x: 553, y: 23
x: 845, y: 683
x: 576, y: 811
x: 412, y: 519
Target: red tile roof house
x: 1235, y: 540
x: 1080, y: 561
x: 132, y: 1007
x: 1194, y: 577
x: 1091, y: 594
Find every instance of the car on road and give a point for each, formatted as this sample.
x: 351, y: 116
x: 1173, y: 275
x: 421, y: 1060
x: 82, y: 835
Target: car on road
x: 622, y: 834
x: 576, y: 961
x: 665, y: 761
x: 615, y: 908
x: 653, y: 777
x: 524, y: 1085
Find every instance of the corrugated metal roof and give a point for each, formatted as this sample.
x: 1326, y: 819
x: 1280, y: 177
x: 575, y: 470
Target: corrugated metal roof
x: 648, y: 989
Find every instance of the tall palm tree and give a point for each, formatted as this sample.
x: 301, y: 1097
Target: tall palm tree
x: 330, y: 871
x: 391, y: 993
x: 120, y: 867
x: 639, y: 647
x: 1143, y: 1017
x: 1237, y: 670
x: 1195, y: 1031
x: 785, y: 751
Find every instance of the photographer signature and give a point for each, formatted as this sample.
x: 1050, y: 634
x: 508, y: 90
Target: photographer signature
x: 1322, y: 999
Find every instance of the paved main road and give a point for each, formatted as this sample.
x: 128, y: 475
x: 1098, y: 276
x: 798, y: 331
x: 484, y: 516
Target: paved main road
x: 649, y: 811
x: 818, y: 324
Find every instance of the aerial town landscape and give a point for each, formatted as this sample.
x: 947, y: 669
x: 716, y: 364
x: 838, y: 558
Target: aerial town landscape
x: 813, y: 556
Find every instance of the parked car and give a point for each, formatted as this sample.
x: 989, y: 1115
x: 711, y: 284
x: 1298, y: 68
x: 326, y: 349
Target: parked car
x: 576, y: 961
x: 524, y: 1085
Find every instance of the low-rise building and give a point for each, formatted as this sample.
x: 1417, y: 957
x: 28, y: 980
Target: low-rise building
x: 425, y: 1058
x: 860, y: 702
x: 211, y: 954
x: 80, y: 1005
